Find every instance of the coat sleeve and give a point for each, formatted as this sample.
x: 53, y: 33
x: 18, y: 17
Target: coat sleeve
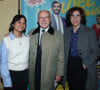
x: 93, y: 48
x: 60, y: 61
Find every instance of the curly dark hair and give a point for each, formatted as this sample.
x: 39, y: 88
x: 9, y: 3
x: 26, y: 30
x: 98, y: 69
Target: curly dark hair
x: 70, y: 12
x: 17, y: 18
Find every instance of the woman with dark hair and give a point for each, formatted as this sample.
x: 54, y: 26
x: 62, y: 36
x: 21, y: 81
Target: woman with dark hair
x: 69, y: 13
x: 15, y: 55
x: 81, y: 51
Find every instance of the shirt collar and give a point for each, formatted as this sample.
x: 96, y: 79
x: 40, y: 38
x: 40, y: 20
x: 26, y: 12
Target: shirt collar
x: 46, y: 30
x: 56, y: 15
x: 76, y: 31
x: 12, y: 36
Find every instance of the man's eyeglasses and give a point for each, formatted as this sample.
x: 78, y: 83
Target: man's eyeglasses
x: 46, y: 18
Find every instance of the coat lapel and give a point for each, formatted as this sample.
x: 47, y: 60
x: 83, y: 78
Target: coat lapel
x: 37, y: 30
x: 67, y: 37
x: 80, y: 37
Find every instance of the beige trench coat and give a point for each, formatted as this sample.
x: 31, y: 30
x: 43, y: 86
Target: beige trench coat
x: 52, y: 62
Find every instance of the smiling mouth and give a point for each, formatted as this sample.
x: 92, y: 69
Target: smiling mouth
x: 75, y: 22
x: 57, y: 10
x: 44, y: 23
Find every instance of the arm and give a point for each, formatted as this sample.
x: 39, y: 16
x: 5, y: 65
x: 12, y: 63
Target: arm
x: 0, y: 60
x: 30, y: 32
x: 93, y: 48
x: 99, y: 41
x: 60, y: 62
x: 5, y: 74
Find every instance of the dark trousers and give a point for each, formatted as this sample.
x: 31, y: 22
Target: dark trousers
x: 76, y: 75
x: 7, y: 88
x: 19, y: 80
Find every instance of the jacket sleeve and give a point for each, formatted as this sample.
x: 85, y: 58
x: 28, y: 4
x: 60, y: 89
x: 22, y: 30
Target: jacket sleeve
x: 93, y: 48
x: 5, y: 74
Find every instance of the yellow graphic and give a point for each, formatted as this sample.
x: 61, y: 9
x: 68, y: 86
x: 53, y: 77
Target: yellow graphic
x: 88, y: 5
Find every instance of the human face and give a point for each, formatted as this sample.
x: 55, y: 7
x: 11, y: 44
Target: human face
x: 76, y: 18
x: 44, y: 19
x: 56, y: 8
x: 98, y: 20
x: 20, y: 25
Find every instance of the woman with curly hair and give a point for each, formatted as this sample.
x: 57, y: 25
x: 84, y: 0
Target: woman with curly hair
x: 81, y: 51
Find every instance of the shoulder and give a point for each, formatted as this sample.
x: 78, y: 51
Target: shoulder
x: 6, y: 38
x: 68, y: 29
x: 84, y: 28
x: 58, y: 34
x: 93, y: 25
x: 88, y: 30
x: 63, y: 18
x: 52, y: 16
x: 30, y: 32
x: 6, y: 41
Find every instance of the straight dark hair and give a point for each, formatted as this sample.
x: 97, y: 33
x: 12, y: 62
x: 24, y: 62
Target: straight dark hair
x: 16, y: 18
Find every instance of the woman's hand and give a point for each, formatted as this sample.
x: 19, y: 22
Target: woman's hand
x: 84, y: 66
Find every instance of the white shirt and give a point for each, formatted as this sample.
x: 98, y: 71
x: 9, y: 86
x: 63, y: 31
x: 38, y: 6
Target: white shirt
x: 41, y: 31
x: 14, y: 56
x: 18, y: 52
x: 61, y: 23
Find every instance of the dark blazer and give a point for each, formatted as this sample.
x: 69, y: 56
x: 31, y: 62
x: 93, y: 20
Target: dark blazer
x: 88, y: 50
x: 54, y: 24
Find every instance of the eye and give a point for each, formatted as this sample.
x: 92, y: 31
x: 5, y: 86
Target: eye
x: 75, y: 16
x: 58, y: 6
x: 78, y: 15
x: 72, y: 16
x: 19, y: 22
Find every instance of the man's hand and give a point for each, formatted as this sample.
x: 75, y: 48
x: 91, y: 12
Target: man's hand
x: 58, y: 78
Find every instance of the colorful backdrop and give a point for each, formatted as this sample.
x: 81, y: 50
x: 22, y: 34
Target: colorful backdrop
x: 30, y: 9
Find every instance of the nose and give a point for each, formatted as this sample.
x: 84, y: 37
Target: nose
x: 44, y: 18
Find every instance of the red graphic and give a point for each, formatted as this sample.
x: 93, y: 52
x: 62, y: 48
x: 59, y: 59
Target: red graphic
x: 32, y: 3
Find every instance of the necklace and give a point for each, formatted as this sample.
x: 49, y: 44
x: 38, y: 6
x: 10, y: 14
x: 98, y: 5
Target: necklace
x: 20, y: 41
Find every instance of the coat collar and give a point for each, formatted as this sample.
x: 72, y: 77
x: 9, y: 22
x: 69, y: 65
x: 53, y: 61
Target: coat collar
x: 37, y: 30
x: 81, y: 28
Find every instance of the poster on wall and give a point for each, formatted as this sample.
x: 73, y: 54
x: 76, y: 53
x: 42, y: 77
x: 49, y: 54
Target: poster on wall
x: 30, y: 9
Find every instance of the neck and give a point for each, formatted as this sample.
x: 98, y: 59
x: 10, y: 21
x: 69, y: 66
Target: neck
x: 44, y: 28
x: 17, y: 34
x: 56, y: 14
x: 98, y: 23
x: 75, y: 28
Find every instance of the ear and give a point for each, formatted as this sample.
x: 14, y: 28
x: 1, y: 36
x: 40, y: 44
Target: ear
x: 81, y: 18
x: 37, y: 23
x: 12, y: 25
